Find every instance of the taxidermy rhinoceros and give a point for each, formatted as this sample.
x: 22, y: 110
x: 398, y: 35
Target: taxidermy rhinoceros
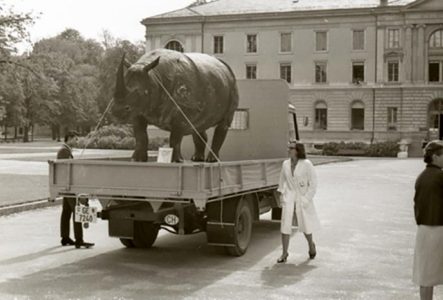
x: 203, y: 87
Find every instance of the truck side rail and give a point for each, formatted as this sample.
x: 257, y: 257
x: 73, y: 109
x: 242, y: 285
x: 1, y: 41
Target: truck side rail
x: 167, y: 181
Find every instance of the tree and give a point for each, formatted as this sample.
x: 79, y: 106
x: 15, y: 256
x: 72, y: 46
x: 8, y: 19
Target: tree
x: 12, y: 98
x: 108, y: 70
x: 74, y: 68
x: 13, y: 29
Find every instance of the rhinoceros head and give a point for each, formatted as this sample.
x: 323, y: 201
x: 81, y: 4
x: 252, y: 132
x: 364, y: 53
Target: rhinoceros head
x: 132, y: 85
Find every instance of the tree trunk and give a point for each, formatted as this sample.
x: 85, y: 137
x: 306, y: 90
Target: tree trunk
x: 58, y: 132
x: 15, y: 133
x: 26, y: 134
x: 53, y: 132
x: 6, y: 132
x: 32, y: 132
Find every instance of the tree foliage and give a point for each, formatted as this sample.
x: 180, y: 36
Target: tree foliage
x: 66, y: 82
x: 13, y: 29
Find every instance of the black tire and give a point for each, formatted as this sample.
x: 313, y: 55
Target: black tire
x: 128, y: 243
x: 242, y: 229
x: 145, y: 234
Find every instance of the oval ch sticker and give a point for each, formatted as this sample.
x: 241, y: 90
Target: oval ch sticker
x: 171, y: 220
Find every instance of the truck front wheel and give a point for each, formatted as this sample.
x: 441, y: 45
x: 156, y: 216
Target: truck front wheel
x: 242, y: 229
x: 145, y: 234
x: 127, y: 242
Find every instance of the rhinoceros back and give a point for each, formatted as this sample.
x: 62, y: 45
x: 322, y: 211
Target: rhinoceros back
x: 203, y: 86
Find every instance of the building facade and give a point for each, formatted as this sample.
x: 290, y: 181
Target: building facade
x: 362, y: 70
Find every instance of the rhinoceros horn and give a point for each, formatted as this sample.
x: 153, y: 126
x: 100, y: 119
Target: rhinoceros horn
x: 152, y: 65
x: 120, y: 87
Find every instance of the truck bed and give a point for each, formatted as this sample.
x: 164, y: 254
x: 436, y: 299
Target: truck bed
x: 125, y: 180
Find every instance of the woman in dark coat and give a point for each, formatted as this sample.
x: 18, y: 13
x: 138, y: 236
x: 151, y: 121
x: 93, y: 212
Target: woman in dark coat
x: 428, y: 208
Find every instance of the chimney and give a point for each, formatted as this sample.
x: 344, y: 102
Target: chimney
x: 383, y: 2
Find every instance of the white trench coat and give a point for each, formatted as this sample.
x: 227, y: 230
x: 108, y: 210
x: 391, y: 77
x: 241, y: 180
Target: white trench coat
x: 298, y: 190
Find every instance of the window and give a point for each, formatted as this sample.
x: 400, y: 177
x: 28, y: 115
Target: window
x: 285, y: 72
x: 321, y: 41
x: 393, y: 38
x: 251, y: 71
x: 358, y: 72
x: 218, y: 44
x: 286, y: 42
x: 240, y: 120
x: 435, y: 71
x: 392, y: 118
x: 321, y: 116
x: 393, y: 71
x: 251, y: 43
x: 436, y: 40
x: 174, y: 45
x: 320, y: 72
x: 357, y: 116
x: 358, y: 40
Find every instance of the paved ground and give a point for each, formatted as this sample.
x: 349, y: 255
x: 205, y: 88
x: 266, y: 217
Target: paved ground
x: 24, y: 169
x: 365, y: 251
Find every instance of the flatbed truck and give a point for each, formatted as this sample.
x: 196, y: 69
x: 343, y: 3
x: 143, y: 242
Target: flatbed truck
x: 222, y: 199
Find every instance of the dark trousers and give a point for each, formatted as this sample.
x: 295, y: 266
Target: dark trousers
x: 68, y: 209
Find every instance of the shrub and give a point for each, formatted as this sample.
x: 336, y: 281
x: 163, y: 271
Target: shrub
x: 114, y: 137
x: 386, y: 149
x: 155, y: 143
x: 379, y: 149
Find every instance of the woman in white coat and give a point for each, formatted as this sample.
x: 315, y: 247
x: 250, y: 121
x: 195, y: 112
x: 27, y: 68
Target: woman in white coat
x: 297, y: 187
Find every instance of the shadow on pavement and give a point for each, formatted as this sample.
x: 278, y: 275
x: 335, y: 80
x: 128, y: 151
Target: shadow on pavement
x: 45, y: 252
x: 176, y: 267
x: 281, y: 275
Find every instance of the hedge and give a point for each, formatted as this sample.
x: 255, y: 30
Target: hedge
x: 114, y: 137
x: 378, y: 149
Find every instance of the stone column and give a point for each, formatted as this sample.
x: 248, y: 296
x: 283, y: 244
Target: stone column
x: 380, y: 51
x: 408, y: 57
x: 188, y: 44
x: 148, y: 44
x: 420, y: 71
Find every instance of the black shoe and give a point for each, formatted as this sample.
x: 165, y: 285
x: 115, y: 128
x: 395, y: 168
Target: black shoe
x: 283, y: 258
x: 312, y: 253
x: 67, y: 242
x: 84, y: 244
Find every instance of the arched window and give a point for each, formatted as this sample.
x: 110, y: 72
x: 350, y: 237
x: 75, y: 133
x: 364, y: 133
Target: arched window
x: 436, y: 39
x: 321, y: 115
x: 174, y: 45
x: 357, y: 115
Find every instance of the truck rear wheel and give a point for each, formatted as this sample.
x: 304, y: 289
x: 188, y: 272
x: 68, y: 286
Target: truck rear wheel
x: 145, y: 234
x: 242, y: 229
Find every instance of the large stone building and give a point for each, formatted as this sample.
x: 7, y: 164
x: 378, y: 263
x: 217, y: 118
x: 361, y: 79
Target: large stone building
x: 360, y: 70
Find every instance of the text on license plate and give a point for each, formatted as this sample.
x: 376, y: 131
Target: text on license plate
x: 85, y: 214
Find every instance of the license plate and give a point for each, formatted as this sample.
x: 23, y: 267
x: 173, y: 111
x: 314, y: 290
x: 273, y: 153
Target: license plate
x: 85, y: 214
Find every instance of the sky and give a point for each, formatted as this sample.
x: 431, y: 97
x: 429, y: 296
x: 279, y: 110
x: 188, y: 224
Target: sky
x: 90, y: 17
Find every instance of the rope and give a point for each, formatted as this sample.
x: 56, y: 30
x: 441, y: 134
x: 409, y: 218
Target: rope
x: 98, y: 124
x: 184, y: 115
x: 198, y: 134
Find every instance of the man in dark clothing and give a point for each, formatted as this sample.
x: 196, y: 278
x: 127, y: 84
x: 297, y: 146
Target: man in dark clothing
x: 68, y: 208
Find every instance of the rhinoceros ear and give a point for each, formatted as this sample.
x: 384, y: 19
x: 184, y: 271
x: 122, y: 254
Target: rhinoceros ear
x: 152, y: 65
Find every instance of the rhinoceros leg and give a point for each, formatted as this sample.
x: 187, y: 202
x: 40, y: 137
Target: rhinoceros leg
x: 217, y: 141
x: 199, y: 154
x: 141, y: 139
x: 175, y: 141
